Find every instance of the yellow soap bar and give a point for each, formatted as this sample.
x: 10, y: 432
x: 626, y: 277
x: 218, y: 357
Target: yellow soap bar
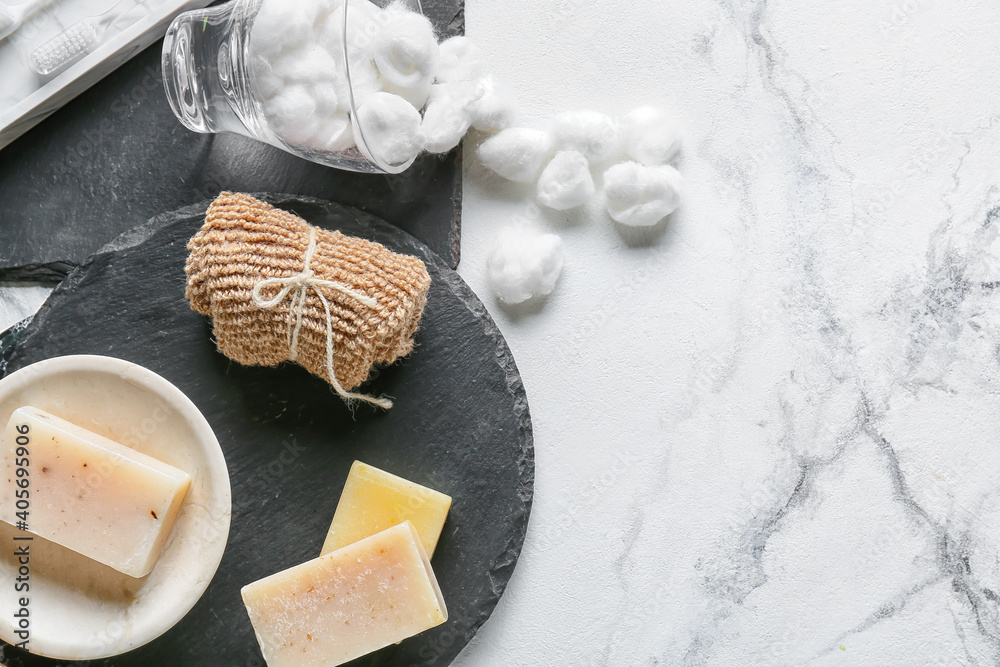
x: 348, y: 603
x: 88, y: 493
x: 374, y: 500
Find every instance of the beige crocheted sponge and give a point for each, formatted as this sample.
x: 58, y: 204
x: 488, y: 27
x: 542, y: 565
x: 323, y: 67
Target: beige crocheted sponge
x: 245, y: 241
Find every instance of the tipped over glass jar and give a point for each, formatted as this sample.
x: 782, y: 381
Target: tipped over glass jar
x: 338, y: 82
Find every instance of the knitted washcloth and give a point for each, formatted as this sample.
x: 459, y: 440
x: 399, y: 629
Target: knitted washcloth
x: 278, y: 288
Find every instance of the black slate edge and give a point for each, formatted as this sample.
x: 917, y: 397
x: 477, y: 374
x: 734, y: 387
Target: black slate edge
x: 455, y: 235
x: 47, y: 273
x: 500, y: 575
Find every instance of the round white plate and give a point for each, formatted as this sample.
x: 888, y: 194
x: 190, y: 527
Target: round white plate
x: 83, y: 610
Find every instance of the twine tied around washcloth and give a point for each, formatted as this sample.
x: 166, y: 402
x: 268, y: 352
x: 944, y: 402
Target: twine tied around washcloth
x: 303, y: 282
x: 278, y: 289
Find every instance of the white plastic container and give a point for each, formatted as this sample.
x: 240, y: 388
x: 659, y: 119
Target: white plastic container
x: 27, y: 98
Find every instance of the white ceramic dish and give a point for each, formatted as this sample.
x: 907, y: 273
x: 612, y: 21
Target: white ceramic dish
x: 80, y: 609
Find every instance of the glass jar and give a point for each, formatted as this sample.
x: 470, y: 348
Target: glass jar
x: 217, y: 76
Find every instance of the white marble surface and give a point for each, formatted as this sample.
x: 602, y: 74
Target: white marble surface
x: 18, y: 302
x: 767, y: 432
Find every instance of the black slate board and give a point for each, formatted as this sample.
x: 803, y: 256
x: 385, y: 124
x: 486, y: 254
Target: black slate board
x: 460, y: 425
x: 117, y: 154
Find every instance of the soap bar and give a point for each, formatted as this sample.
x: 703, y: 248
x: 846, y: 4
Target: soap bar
x: 374, y: 500
x: 88, y: 493
x: 347, y: 603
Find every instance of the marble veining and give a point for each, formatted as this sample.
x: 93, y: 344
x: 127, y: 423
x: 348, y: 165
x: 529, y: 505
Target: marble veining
x: 774, y: 438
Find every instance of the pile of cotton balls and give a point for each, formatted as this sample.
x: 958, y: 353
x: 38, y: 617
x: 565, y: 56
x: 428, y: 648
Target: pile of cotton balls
x: 641, y: 188
x: 299, y: 62
x: 306, y: 68
x: 634, y: 151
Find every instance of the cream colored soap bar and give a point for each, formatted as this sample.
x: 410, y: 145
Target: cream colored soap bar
x: 374, y: 500
x: 348, y: 603
x: 88, y: 493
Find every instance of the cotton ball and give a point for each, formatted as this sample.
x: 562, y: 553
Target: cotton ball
x: 650, y: 135
x: 460, y: 60
x: 309, y: 64
x: 315, y: 10
x: 417, y: 95
x: 300, y: 135
x: 290, y: 114
x: 390, y: 127
x: 496, y: 108
x: 524, y: 264
x: 405, y: 51
x: 276, y: 30
x: 265, y: 81
x: 566, y: 181
x: 591, y: 133
x: 640, y: 195
x: 364, y: 22
x: 516, y: 153
x: 325, y: 96
x: 283, y: 25
x: 364, y: 82
x: 448, y: 115
x: 335, y: 133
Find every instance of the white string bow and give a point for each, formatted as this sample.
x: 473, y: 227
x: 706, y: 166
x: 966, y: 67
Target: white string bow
x: 302, y: 282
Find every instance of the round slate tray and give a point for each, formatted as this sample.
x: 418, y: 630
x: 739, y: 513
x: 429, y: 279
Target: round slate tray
x: 460, y: 425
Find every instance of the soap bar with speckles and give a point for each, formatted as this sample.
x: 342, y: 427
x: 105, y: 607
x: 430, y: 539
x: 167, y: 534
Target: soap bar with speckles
x: 374, y: 500
x: 86, y: 492
x: 347, y: 603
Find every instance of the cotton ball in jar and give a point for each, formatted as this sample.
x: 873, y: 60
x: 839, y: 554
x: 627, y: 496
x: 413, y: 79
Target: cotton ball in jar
x: 565, y: 182
x: 650, y: 135
x: 640, y: 195
x: 265, y: 81
x: 335, y: 133
x: 324, y: 94
x: 524, y: 264
x: 309, y: 64
x: 364, y: 23
x: 516, y: 153
x: 390, y: 129
x: 283, y: 25
x: 590, y: 133
x: 405, y: 51
x: 291, y: 114
x: 364, y: 82
x: 417, y: 94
